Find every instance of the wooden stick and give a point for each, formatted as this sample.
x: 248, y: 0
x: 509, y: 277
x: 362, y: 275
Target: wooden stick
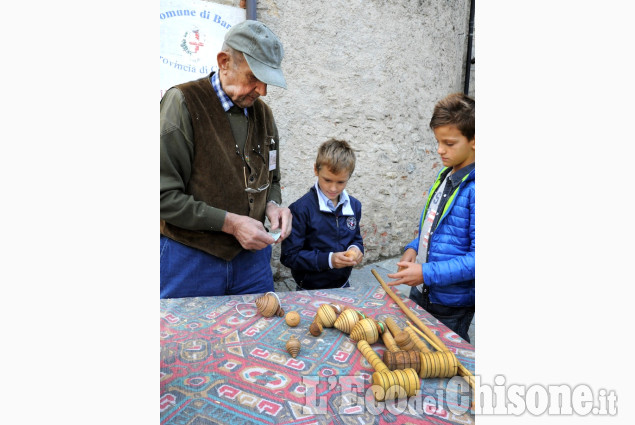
x: 371, y: 357
x: 408, y: 312
x: 462, y: 370
x: 424, y: 336
x: 402, y: 339
x: 417, y: 341
x: 389, y: 341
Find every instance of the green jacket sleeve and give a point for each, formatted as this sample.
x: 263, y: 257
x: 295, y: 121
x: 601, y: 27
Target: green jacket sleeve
x: 177, y: 151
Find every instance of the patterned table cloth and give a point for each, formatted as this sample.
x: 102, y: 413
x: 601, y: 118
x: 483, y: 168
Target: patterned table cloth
x: 220, y: 366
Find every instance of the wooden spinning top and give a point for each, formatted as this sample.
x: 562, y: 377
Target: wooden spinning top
x: 293, y: 346
x: 389, y: 384
x: 404, y: 341
x: 339, y: 308
x: 326, y: 315
x: 268, y: 305
x: 440, y: 364
x: 292, y: 318
x: 395, y: 384
x: 367, y: 330
x: 346, y: 320
x: 316, y: 327
x: 402, y: 360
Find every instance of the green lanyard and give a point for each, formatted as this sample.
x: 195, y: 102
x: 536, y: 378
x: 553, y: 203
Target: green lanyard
x: 448, y: 203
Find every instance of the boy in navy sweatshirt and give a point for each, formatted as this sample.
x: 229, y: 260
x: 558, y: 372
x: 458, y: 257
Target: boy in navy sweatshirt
x: 325, y: 241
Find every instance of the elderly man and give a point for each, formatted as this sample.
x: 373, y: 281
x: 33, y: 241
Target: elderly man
x: 220, y: 172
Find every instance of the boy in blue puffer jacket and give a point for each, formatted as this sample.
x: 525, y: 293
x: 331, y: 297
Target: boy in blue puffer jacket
x: 325, y: 241
x: 439, y: 263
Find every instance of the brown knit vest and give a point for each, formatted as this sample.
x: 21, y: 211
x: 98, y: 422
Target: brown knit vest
x: 218, y: 178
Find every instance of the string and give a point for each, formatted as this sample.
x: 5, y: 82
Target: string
x: 254, y: 304
x: 241, y: 313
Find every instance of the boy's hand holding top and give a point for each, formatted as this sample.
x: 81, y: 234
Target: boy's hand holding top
x: 349, y: 258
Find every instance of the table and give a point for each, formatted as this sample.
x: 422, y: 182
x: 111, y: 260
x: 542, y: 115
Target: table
x: 220, y: 367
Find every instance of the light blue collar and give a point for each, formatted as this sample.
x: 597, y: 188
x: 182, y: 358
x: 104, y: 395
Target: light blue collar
x: 326, y: 204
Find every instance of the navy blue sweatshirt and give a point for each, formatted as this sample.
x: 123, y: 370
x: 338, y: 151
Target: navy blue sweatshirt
x: 315, y: 234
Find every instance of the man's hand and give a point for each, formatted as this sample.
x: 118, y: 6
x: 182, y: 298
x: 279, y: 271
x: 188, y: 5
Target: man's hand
x: 280, y: 218
x: 250, y: 233
x: 409, y: 272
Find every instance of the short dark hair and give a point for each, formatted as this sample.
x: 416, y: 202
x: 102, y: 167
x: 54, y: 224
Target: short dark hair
x: 337, y: 155
x: 456, y: 109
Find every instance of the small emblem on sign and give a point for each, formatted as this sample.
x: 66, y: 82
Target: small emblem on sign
x: 192, y: 42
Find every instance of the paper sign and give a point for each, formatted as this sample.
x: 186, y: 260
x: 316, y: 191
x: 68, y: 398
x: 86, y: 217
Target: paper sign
x: 272, y: 160
x: 192, y: 33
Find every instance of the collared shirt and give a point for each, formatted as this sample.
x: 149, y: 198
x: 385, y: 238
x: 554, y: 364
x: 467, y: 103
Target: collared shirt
x: 453, y: 181
x: 326, y: 205
x: 222, y: 96
x: 426, y: 225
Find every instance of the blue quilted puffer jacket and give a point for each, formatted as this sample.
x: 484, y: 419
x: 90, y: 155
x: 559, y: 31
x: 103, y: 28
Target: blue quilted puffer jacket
x: 450, y: 270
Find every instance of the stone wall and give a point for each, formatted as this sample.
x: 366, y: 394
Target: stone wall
x: 370, y: 72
